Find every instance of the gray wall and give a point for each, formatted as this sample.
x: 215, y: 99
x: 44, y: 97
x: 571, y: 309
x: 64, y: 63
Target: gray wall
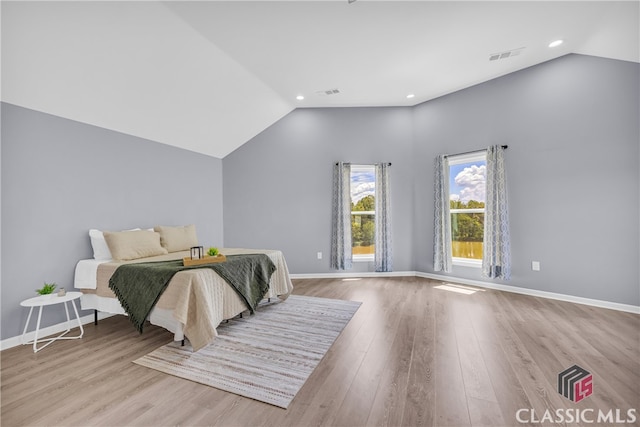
x: 572, y: 165
x: 277, y: 187
x: 60, y: 178
x: 573, y: 134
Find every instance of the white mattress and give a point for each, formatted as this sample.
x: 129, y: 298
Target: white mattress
x: 158, y: 316
x: 86, y: 273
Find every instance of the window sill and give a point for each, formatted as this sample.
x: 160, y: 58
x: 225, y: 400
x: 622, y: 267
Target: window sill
x: 467, y: 262
x: 363, y: 258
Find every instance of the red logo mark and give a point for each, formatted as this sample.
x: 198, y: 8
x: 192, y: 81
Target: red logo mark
x: 575, y: 383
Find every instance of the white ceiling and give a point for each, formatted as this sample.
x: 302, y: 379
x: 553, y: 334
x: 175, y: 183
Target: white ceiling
x: 209, y: 75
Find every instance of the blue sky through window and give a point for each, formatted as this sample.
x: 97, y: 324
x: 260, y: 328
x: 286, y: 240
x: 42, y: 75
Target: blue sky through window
x: 363, y: 183
x: 467, y: 181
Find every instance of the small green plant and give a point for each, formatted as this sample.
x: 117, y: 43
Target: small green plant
x: 46, y: 289
x: 213, y: 251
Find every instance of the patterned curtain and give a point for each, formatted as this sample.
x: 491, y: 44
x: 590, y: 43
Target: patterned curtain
x: 442, y: 218
x: 341, y: 258
x: 496, y: 248
x: 383, y: 251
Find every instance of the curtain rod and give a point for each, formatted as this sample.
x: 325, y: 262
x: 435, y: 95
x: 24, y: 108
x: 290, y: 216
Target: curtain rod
x: 337, y: 163
x: 504, y: 147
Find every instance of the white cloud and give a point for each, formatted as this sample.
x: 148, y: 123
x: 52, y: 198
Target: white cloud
x: 472, y: 180
x: 362, y: 189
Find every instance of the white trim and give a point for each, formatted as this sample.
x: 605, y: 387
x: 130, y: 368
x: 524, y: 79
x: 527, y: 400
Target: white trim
x: 363, y: 167
x: 467, y: 210
x: 49, y: 330
x: 472, y: 157
x: 535, y: 293
x: 351, y: 275
x: 506, y: 288
x: 467, y: 262
x: 363, y: 258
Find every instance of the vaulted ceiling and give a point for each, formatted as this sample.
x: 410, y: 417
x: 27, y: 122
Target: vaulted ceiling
x: 207, y: 76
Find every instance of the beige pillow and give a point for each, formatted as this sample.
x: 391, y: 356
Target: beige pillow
x: 128, y: 245
x: 175, y: 239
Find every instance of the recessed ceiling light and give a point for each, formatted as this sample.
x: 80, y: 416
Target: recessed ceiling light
x: 411, y: 95
x: 299, y: 97
x: 555, y: 43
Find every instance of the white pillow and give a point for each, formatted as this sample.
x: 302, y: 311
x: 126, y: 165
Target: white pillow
x: 99, y: 244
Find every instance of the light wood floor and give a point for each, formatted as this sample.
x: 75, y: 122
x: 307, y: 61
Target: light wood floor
x: 413, y: 355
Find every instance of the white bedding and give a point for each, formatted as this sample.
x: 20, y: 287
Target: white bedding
x: 231, y: 305
x: 86, y: 276
x: 159, y: 316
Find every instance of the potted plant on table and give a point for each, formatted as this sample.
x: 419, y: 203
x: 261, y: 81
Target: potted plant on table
x: 47, y: 289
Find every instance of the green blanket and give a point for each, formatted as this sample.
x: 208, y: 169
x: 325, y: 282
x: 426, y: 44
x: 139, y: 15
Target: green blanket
x: 139, y: 286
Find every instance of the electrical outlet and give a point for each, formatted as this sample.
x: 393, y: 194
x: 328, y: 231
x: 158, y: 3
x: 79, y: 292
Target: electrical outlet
x: 319, y: 255
x: 535, y: 265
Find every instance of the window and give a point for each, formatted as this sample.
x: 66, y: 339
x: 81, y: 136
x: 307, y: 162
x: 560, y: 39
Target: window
x: 363, y: 186
x: 467, y: 189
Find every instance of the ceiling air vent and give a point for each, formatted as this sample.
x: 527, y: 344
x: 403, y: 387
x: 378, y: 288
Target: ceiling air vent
x: 505, y: 55
x: 328, y: 92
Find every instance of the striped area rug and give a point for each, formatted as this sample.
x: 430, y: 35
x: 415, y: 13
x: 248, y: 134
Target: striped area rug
x: 267, y: 356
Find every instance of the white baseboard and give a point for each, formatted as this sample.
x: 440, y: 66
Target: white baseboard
x: 532, y: 292
x: 352, y: 275
x: 50, y: 330
x: 506, y: 288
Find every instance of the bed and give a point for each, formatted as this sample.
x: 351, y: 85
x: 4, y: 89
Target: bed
x: 195, y: 301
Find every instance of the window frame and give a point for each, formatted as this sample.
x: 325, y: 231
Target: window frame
x: 363, y: 257
x: 458, y: 160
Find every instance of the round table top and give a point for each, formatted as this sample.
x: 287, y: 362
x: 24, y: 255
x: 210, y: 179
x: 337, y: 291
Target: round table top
x: 50, y: 299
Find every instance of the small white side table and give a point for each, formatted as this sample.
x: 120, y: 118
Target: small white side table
x: 51, y: 299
